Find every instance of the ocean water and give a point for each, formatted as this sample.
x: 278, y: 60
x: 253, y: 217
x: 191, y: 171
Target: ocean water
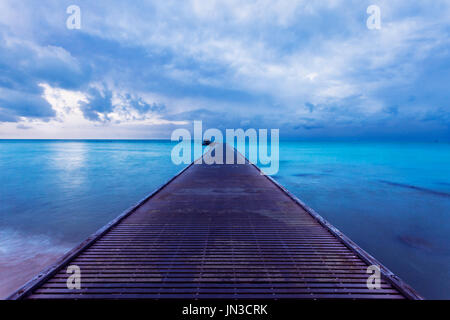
x: 393, y: 199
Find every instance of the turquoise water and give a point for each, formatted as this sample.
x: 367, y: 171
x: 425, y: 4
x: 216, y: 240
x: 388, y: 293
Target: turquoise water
x: 393, y: 199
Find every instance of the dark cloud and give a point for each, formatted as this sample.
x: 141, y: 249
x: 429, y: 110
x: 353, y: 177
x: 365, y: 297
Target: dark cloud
x: 440, y: 115
x: 143, y: 107
x: 6, y: 116
x: 23, y: 67
x: 99, y: 102
x: 15, y: 104
x: 310, y: 106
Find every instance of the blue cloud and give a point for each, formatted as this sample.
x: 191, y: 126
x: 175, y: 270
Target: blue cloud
x: 143, y: 107
x: 310, y: 106
x: 14, y: 104
x: 99, y: 102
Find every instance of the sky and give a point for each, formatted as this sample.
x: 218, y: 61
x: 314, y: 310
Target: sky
x: 141, y: 69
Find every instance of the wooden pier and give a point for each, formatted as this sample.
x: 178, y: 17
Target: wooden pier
x: 217, y: 231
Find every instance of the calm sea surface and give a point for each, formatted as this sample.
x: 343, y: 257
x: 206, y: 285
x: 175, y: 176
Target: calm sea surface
x: 393, y: 199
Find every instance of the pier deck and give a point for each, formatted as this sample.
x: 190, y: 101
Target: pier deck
x: 217, y: 231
